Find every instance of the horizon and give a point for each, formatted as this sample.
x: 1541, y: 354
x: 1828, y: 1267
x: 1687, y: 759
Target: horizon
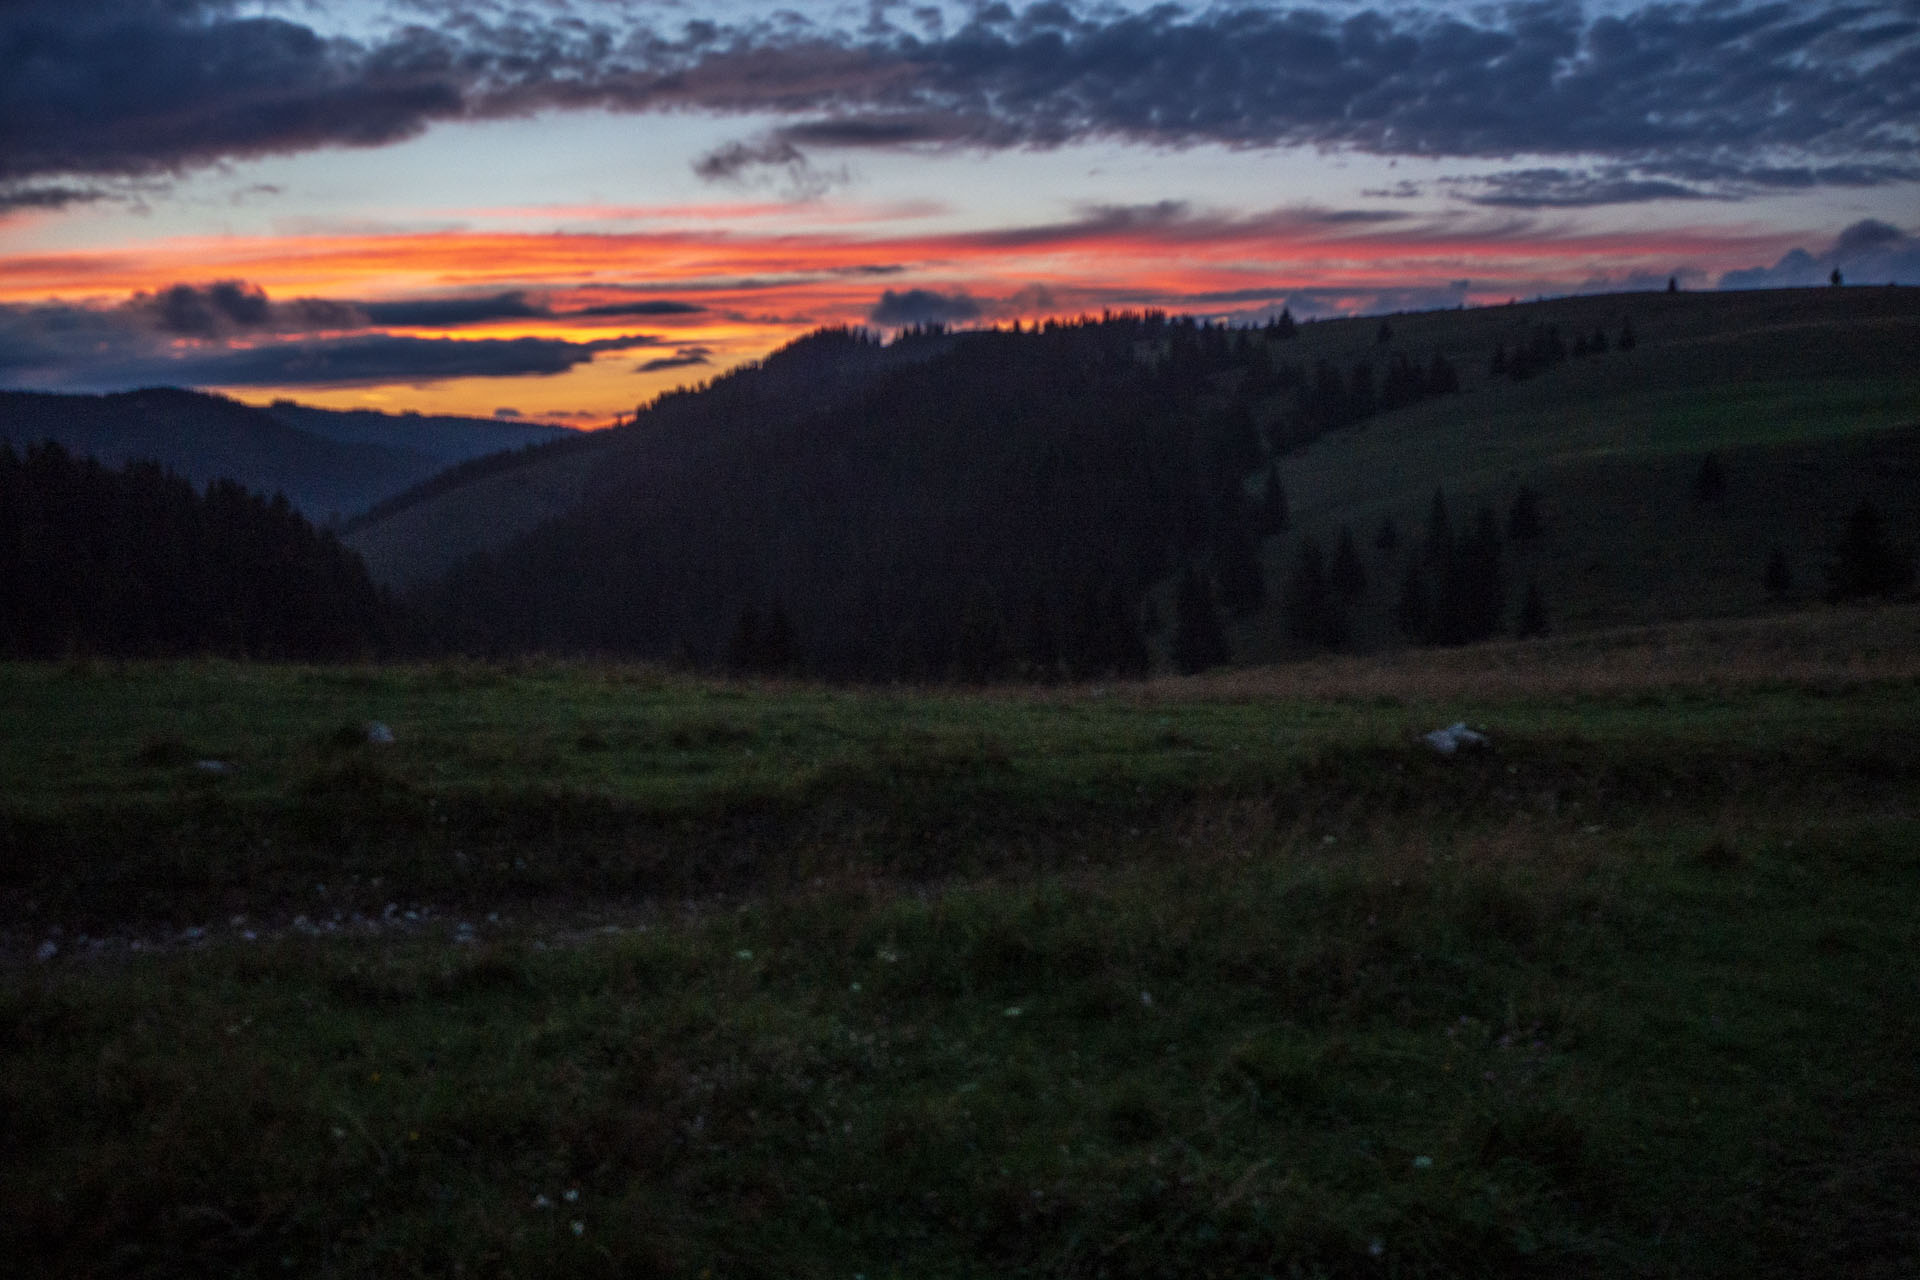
x: 309, y: 202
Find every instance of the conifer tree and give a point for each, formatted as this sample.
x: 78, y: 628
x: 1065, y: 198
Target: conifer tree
x: 1236, y: 567
x: 1778, y: 577
x: 1866, y: 563
x: 1411, y: 613
x: 1314, y: 617
x: 1533, y: 613
x: 1347, y: 577
x: 1273, y: 516
x: 1438, y: 548
x: 1710, y: 482
x: 1523, y: 519
x: 1199, y: 641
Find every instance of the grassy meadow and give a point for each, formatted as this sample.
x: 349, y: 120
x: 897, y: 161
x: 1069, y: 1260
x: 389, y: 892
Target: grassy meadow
x: 602, y: 970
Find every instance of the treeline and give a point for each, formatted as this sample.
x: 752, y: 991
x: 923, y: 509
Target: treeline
x: 973, y: 506
x: 138, y: 563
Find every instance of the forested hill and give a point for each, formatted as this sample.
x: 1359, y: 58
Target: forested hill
x: 329, y: 464
x: 1002, y: 504
x: 1093, y: 498
x: 138, y: 562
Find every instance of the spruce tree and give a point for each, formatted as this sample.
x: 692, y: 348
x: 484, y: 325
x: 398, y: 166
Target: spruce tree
x: 1273, y: 516
x: 1523, y: 519
x: 1347, y: 578
x: 1779, y: 577
x: 1199, y: 641
x: 1411, y: 613
x: 1866, y: 563
x: 1710, y: 482
x: 1236, y: 567
x: 1438, y: 547
x: 1533, y: 613
x: 1314, y: 618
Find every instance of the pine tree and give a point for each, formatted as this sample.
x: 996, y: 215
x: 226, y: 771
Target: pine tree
x: 1273, y: 516
x: 1411, y: 613
x: 1236, y: 567
x: 1314, y: 618
x: 1779, y: 577
x: 1438, y: 547
x: 1388, y: 538
x: 1347, y: 578
x: 1627, y: 340
x: 1199, y: 641
x: 1533, y: 613
x: 1866, y: 563
x: 1523, y: 519
x: 1710, y: 482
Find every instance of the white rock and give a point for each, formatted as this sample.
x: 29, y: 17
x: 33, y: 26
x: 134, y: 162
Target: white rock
x: 379, y: 734
x: 1455, y: 736
x: 47, y: 951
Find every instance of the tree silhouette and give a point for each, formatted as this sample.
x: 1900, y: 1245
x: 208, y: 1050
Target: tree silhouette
x: 1314, y: 617
x: 1866, y: 563
x: 1710, y: 482
x: 1523, y: 519
x: 1778, y: 577
x: 1533, y: 613
x: 1199, y: 641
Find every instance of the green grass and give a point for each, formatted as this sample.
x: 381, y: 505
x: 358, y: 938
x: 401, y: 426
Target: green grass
x: 1191, y: 979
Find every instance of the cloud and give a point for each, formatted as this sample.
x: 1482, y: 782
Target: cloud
x: 1820, y: 93
x: 1570, y: 189
x: 25, y: 196
x: 226, y: 336
x: 897, y: 310
x: 228, y: 307
x: 435, y: 313
x: 653, y: 307
x: 685, y: 357
x: 770, y: 162
x: 1868, y: 252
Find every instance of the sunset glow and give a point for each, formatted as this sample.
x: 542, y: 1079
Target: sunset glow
x: 569, y: 256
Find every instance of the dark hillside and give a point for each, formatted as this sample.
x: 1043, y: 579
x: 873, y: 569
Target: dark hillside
x: 138, y: 563
x: 330, y: 465
x: 994, y: 504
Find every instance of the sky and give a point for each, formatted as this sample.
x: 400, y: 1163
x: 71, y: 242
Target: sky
x: 556, y: 209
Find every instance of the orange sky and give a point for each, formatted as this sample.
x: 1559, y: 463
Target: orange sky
x: 759, y: 287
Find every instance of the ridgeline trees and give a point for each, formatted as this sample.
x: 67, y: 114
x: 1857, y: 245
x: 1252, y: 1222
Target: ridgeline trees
x: 137, y: 563
x: 947, y: 505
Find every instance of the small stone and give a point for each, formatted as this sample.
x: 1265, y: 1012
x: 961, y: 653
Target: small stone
x: 47, y: 951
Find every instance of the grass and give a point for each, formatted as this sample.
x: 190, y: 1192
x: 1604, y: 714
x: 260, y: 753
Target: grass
x: 1198, y: 978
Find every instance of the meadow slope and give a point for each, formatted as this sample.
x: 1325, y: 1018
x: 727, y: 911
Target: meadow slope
x: 595, y: 970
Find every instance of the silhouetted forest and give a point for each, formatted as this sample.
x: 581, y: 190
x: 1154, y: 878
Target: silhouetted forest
x: 138, y: 563
x: 965, y: 506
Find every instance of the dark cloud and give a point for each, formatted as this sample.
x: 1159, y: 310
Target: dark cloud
x: 654, y: 307
x: 769, y: 162
x: 14, y: 198
x: 1868, y: 252
x: 1569, y: 189
x: 383, y: 358
x: 1768, y: 92
x: 922, y: 306
x: 685, y: 357
x: 423, y: 313
x: 66, y: 347
x: 228, y: 307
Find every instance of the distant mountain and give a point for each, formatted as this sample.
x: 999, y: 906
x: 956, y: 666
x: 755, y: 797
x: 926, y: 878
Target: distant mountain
x: 1084, y: 499
x: 446, y: 439
x: 329, y: 464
